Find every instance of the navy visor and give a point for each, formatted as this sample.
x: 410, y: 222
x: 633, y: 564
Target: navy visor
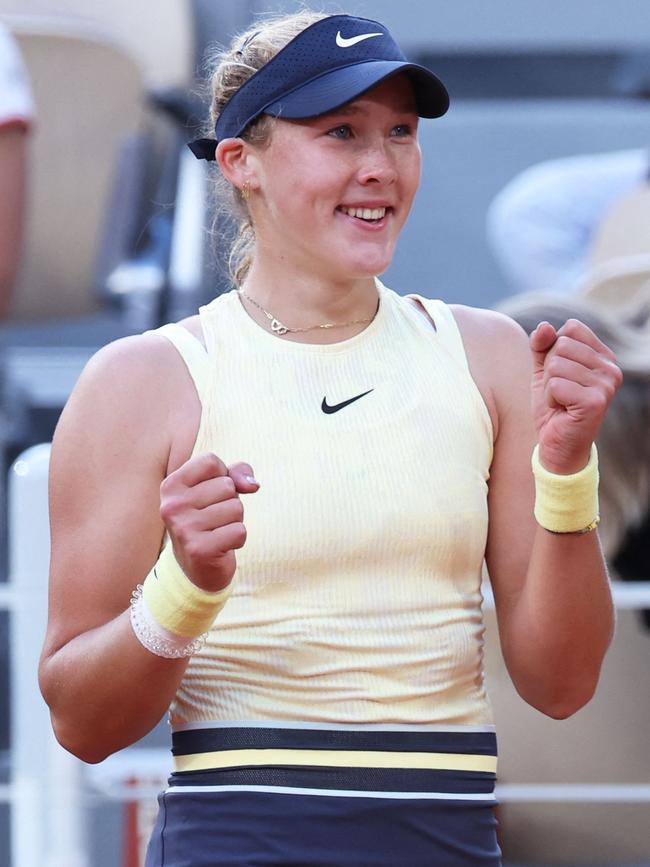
x: 328, y: 64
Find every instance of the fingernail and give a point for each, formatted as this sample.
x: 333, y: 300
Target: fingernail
x: 252, y: 480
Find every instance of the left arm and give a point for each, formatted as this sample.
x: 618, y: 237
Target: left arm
x: 552, y: 595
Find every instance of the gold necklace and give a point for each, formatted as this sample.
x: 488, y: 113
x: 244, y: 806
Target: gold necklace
x: 278, y: 328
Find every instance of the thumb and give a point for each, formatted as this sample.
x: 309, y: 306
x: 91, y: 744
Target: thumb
x: 244, y: 478
x: 540, y: 341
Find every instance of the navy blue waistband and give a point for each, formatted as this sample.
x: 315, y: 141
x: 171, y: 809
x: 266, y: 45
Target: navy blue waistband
x: 455, y: 762
x: 203, y: 740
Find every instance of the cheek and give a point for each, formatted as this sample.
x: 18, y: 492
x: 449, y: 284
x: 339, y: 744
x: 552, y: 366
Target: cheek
x: 413, y: 170
x: 318, y: 186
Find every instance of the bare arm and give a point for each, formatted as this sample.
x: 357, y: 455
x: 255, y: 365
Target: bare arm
x: 552, y: 593
x: 109, y: 456
x: 129, y: 425
x: 12, y: 208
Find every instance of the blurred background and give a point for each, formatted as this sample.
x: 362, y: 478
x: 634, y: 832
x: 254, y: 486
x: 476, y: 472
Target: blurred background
x: 534, y: 199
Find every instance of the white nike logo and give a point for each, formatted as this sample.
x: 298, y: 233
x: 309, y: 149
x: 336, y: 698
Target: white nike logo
x: 342, y: 42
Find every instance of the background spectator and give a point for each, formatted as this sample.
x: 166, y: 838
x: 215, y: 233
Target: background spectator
x: 541, y: 225
x: 16, y: 116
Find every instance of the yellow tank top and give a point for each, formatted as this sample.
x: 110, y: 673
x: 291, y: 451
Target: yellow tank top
x: 357, y: 594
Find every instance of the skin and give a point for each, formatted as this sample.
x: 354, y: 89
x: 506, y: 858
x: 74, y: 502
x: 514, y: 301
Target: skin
x: 123, y: 445
x: 12, y: 206
x: 313, y: 263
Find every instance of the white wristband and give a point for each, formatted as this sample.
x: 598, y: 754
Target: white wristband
x: 155, y: 637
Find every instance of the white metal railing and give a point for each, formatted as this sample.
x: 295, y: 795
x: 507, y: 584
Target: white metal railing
x: 108, y: 779
x: 49, y: 783
x: 631, y: 596
x: 595, y: 793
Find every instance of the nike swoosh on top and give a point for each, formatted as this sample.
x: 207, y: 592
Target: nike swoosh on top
x: 342, y: 42
x: 337, y: 406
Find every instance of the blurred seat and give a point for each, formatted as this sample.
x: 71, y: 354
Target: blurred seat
x: 160, y: 41
x: 89, y: 93
x: 107, y: 252
x: 90, y: 96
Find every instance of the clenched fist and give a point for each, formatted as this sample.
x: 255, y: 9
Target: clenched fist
x: 575, y: 377
x: 203, y: 513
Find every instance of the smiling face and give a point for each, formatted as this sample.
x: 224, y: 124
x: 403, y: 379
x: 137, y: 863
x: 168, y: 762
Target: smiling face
x: 333, y: 192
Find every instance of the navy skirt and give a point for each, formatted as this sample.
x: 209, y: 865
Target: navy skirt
x: 251, y: 795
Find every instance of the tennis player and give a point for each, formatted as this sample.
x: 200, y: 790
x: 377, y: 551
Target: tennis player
x: 271, y: 519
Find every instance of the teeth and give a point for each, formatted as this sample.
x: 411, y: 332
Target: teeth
x: 365, y: 213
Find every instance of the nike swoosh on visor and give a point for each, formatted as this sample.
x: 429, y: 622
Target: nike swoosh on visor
x: 342, y: 42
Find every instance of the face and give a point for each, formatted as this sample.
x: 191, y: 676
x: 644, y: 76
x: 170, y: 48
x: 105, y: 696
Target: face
x: 334, y: 191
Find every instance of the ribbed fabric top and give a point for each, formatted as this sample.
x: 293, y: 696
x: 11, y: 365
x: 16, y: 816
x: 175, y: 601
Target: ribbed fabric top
x: 357, y: 594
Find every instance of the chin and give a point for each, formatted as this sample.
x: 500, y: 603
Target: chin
x: 373, y: 269
x: 359, y: 266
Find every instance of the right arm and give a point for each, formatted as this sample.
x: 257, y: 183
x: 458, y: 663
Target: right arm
x: 123, y: 432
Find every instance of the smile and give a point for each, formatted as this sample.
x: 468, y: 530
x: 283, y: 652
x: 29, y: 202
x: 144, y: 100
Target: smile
x: 364, y: 213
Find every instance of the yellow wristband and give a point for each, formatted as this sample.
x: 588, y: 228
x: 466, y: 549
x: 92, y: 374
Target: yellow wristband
x: 566, y: 504
x: 176, y: 603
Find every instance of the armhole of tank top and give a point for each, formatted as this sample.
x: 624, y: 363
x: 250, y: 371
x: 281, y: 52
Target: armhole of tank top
x: 191, y: 351
x: 445, y: 325
x: 450, y: 336
x: 421, y: 307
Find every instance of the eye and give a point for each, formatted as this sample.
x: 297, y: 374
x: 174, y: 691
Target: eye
x: 402, y: 130
x: 343, y: 131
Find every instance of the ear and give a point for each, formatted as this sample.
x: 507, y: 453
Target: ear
x: 235, y: 158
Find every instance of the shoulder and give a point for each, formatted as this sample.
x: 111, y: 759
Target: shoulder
x: 497, y: 353
x: 148, y: 359
x: 133, y: 391
x: 492, y: 340
x: 133, y: 374
x: 129, y: 363
x: 481, y: 326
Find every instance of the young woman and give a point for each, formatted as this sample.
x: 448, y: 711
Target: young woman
x: 335, y: 712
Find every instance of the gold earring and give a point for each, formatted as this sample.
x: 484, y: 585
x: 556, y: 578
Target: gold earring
x: 246, y: 191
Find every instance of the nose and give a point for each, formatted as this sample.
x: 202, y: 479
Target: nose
x: 377, y: 166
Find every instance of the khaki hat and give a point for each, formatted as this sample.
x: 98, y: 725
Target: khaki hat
x: 618, y: 275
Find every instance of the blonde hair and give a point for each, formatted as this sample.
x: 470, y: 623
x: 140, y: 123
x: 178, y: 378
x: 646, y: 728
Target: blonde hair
x: 231, y: 68
x: 624, y: 437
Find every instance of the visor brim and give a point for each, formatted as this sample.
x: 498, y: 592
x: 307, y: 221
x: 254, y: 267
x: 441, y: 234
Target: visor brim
x: 339, y: 86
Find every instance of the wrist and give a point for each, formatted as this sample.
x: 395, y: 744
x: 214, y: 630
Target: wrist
x: 154, y: 637
x: 170, y: 615
x: 176, y: 602
x: 566, y: 502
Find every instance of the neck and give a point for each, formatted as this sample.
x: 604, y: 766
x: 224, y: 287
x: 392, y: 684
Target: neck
x: 302, y: 300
